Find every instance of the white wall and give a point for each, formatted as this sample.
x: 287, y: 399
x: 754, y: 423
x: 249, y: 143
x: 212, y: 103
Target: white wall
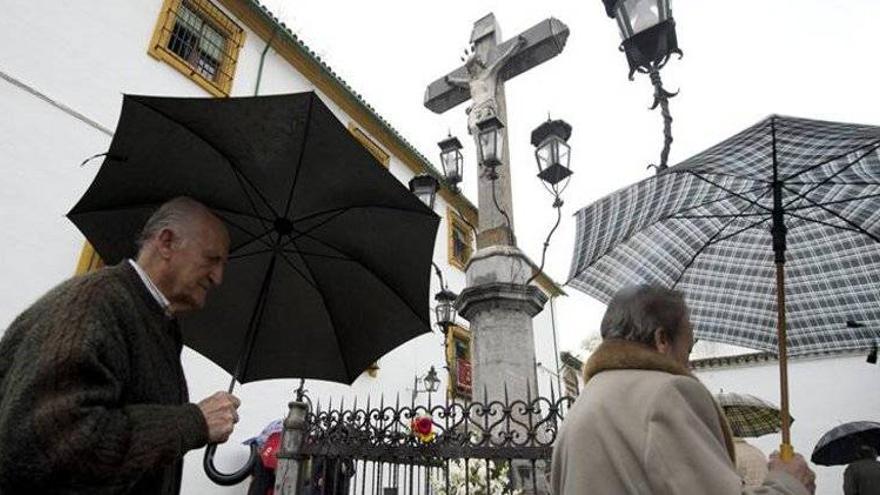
x: 823, y: 393
x: 85, y: 55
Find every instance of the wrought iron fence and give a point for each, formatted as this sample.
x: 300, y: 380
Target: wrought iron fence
x: 493, y: 446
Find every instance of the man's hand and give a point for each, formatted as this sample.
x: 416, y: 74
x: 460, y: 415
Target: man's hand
x: 220, y: 414
x: 796, y: 467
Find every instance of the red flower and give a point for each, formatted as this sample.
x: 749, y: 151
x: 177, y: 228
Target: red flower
x: 422, y: 427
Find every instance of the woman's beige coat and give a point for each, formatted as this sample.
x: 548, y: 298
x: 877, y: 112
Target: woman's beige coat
x: 644, y: 425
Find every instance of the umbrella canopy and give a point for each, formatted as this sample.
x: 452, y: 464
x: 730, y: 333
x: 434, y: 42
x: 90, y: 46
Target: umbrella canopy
x: 704, y: 227
x: 787, y: 195
x: 840, y: 445
x: 317, y: 285
x: 749, y: 416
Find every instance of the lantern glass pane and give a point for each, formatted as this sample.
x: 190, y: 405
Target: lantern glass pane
x: 451, y: 161
x: 487, y: 145
x: 635, y: 16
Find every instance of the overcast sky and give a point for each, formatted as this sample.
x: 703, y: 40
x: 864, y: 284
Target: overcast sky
x: 742, y: 61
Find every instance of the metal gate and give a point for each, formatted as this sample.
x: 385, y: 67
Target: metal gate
x: 455, y: 448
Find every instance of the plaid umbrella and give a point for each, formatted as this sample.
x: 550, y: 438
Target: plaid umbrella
x: 750, y: 416
x: 721, y: 225
x: 840, y: 445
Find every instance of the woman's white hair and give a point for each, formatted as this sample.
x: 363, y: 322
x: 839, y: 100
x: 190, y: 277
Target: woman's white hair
x: 636, y: 312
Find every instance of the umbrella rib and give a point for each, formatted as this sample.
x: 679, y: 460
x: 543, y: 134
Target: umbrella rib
x: 369, y: 270
x: 355, y: 207
x: 313, y: 227
x: 252, y: 253
x: 236, y: 170
x: 329, y: 313
x: 302, y: 152
x: 311, y: 281
x: 849, y: 222
x: 254, y: 238
x: 832, y: 183
x: 714, y: 239
x: 317, y: 255
x: 822, y: 222
x: 836, y: 202
x: 873, y: 145
x: 824, y: 181
x: 732, y: 193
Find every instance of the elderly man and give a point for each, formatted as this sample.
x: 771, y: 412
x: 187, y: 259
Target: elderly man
x: 643, y: 424
x: 92, y: 393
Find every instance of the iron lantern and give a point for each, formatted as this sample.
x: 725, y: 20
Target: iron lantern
x: 491, y: 141
x: 648, y: 32
x: 552, y: 151
x: 445, y: 310
x: 425, y: 187
x: 451, y: 160
x: 431, y: 380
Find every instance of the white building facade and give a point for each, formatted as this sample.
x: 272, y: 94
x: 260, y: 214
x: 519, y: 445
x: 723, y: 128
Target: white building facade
x: 63, y: 69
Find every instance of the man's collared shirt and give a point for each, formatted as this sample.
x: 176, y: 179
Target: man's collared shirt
x: 154, y: 291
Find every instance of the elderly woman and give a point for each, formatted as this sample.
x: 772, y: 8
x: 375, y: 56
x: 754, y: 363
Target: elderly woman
x: 643, y: 424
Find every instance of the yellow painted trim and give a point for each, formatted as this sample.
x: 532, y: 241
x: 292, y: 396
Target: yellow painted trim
x: 235, y: 37
x: 453, y: 221
x: 88, y: 260
x: 461, y: 333
x: 368, y: 143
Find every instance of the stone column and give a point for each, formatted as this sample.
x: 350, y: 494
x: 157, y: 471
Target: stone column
x: 290, y: 474
x: 500, y: 307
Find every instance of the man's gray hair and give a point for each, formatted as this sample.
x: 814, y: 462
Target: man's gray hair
x: 636, y: 312
x: 176, y: 214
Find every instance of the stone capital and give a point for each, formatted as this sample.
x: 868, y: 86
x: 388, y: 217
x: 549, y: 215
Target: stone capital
x: 500, y: 295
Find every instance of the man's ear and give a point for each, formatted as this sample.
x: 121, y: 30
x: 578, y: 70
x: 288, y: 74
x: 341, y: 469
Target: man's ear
x: 165, y: 242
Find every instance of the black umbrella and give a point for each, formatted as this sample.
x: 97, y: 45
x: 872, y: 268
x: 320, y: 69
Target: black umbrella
x: 772, y: 234
x: 840, y: 445
x: 330, y: 254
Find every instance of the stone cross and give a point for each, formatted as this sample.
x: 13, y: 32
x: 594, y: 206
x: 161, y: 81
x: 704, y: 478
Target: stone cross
x: 481, y: 79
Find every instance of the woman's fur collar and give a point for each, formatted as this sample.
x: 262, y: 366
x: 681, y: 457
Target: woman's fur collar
x: 616, y: 354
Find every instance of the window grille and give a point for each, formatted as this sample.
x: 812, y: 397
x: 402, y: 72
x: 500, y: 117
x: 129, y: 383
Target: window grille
x: 201, y: 41
x: 460, y: 240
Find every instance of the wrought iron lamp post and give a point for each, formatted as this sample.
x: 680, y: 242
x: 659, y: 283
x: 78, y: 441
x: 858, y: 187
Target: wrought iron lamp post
x: 553, y: 155
x: 648, y: 32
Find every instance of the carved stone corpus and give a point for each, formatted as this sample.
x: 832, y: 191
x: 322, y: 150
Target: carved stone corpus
x: 543, y: 41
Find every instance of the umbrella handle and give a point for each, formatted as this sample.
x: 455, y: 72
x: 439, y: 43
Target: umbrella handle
x: 228, y: 479
x: 786, y: 452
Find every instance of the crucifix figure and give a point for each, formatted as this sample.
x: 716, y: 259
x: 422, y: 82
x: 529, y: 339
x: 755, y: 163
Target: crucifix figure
x: 482, y: 82
x: 481, y: 79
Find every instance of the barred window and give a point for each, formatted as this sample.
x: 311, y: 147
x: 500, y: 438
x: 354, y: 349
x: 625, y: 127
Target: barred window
x: 201, y: 41
x: 461, y: 239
